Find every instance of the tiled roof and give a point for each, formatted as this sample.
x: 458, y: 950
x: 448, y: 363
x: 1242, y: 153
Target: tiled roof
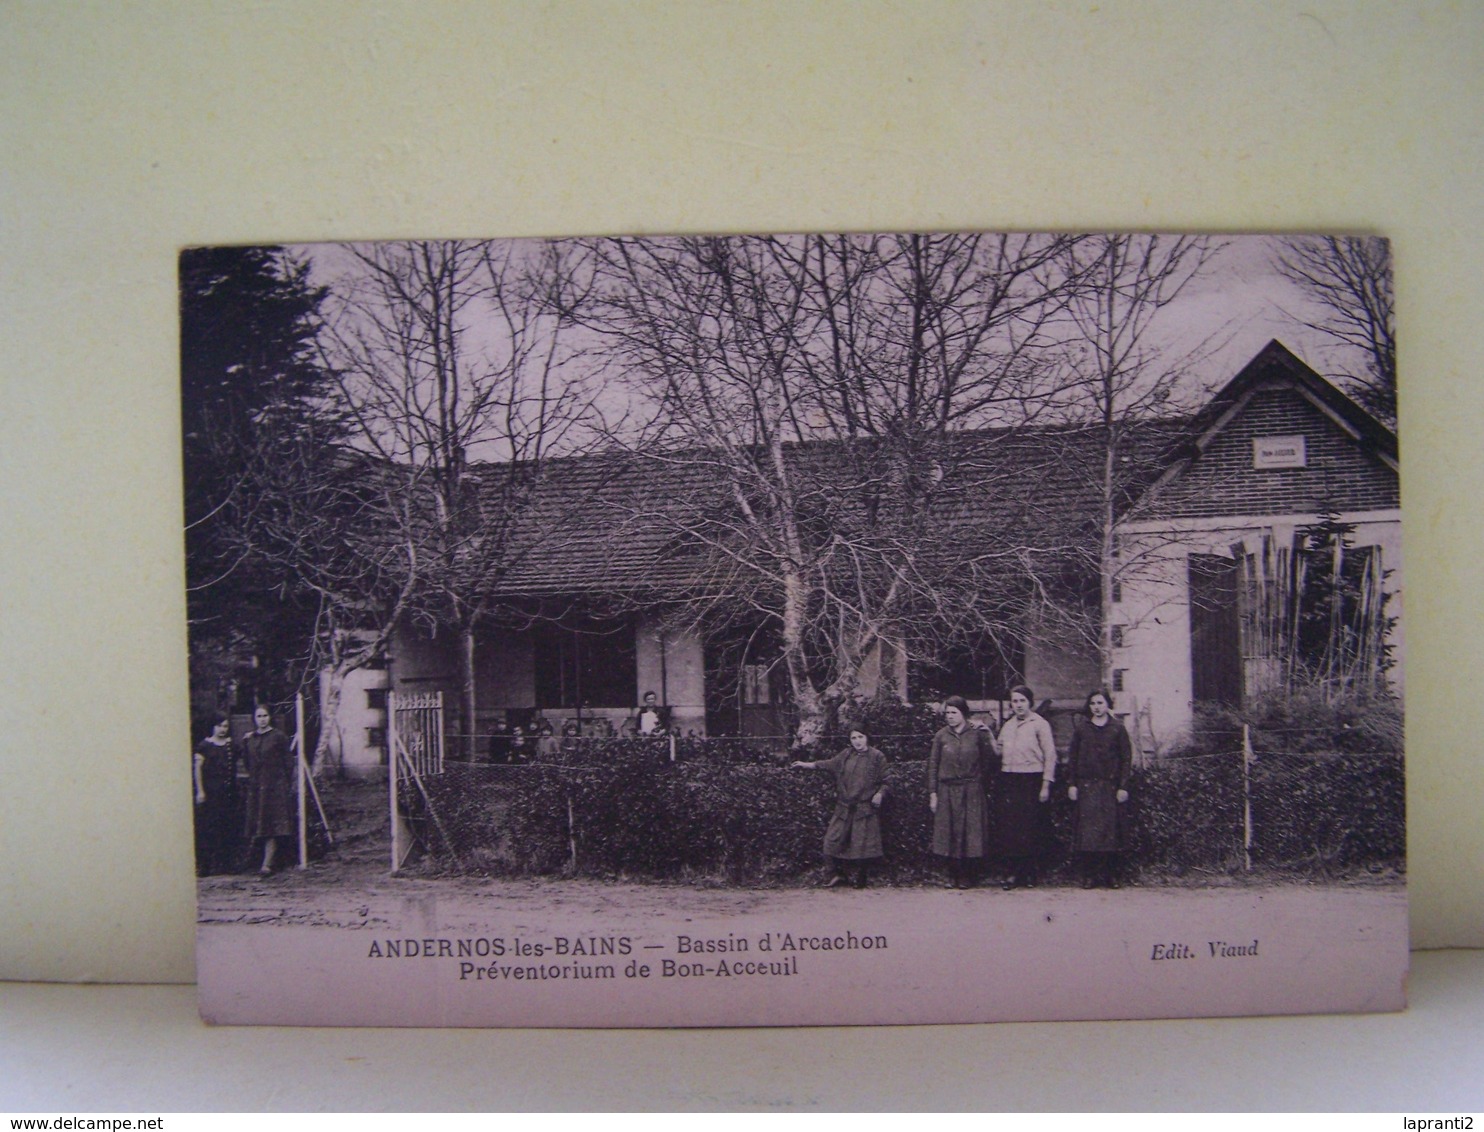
x: 620, y: 523
x: 624, y: 523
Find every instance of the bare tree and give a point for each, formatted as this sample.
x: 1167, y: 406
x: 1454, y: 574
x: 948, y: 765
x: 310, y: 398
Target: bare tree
x: 456, y: 367
x: 333, y: 523
x: 1348, y: 279
x: 877, y: 350
x: 1124, y: 381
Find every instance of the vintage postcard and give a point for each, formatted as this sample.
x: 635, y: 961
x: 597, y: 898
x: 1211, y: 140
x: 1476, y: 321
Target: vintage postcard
x: 794, y: 630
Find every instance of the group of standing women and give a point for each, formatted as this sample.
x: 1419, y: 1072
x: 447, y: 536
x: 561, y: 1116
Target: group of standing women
x: 267, y: 813
x: 988, y: 794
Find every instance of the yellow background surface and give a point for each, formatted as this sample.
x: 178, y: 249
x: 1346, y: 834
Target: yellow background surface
x: 129, y: 131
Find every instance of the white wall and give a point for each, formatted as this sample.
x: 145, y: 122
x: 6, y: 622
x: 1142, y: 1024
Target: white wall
x: 1155, y: 610
x: 672, y: 666
x: 349, y: 739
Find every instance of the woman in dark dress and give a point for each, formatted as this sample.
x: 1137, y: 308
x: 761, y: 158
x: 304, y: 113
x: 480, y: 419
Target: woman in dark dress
x: 1022, y: 789
x: 1101, y: 758
x: 853, y: 837
x: 270, y: 787
x: 214, y: 767
x: 961, y: 758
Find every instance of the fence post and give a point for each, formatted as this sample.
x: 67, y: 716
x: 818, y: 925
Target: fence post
x: 572, y: 833
x: 391, y: 777
x: 1247, y: 797
x: 303, y: 768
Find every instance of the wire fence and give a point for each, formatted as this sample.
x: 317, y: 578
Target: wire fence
x: 734, y: 811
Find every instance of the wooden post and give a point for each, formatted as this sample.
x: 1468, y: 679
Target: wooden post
x: 1246, y: 797
x: 391, y: 777
x: 303, y: 782
x: 572, y: 833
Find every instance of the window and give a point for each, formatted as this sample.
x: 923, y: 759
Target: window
x: 983, y: 670
x: 1118, y: 675
x: 376, y: 736
x: 756, y: 686
x: 1116, y: 634
x: 376, y: 699
x: 586, y: 662
x: 1117, y: 592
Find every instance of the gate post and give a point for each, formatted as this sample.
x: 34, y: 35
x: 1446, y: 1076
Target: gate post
x: 391, y: 778
x: 1247, y: 797
x: 302, y: 765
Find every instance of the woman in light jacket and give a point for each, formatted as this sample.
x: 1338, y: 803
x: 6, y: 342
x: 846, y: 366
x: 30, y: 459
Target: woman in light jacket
x: 1022, y: 789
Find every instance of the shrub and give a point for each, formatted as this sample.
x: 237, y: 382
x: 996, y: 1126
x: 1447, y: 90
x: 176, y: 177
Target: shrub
x: 1186, y: 813
x: 733, y: 813
x: 1329, y: 812
x: 1307, y: 720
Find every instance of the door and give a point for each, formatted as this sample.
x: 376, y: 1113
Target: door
x: 1215, y: 630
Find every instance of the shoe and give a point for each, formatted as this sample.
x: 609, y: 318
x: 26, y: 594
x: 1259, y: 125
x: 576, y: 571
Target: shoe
x: 1115, y: 883
x: 835, y: 881
x: 1012, y: 882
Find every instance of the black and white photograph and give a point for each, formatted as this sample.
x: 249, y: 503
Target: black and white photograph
x: 803, y: 629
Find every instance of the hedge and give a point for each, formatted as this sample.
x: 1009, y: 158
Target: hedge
x: 742, y: 818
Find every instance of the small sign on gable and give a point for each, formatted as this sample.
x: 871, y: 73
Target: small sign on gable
x: 1279, y: 452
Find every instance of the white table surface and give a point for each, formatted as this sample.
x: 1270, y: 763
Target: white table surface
x: 78, y: 1049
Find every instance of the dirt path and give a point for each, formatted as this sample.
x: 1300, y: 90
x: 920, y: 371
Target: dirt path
x: 353, y: 888
x: 367, y: 896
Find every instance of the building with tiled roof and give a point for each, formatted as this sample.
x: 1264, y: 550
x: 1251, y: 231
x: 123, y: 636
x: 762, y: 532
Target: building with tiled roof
x: 605, y: 549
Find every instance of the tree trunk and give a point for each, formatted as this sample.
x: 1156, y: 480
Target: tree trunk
x: 468, y: 697
x: 1107, y: 556
x: 329, y: 724
x: 812, y: 710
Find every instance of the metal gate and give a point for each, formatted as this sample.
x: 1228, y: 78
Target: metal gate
x: 415, y: 751
x: 415, y: 732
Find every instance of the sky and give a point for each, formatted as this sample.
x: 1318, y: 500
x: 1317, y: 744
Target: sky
x: 1233, y: 309
x: 1242, y: 300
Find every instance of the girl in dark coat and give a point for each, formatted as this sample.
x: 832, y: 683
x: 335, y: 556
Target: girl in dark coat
x: 961, y: 757
x: 270, y: 786
x: 1101, y: 759
x: 853, y: 837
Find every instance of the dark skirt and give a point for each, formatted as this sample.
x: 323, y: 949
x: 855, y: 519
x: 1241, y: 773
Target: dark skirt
x: 1097, y: 818
x: 854, y: 832
x: 270, y: 799
x: 1019, y: 815
x: 958, y: 824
